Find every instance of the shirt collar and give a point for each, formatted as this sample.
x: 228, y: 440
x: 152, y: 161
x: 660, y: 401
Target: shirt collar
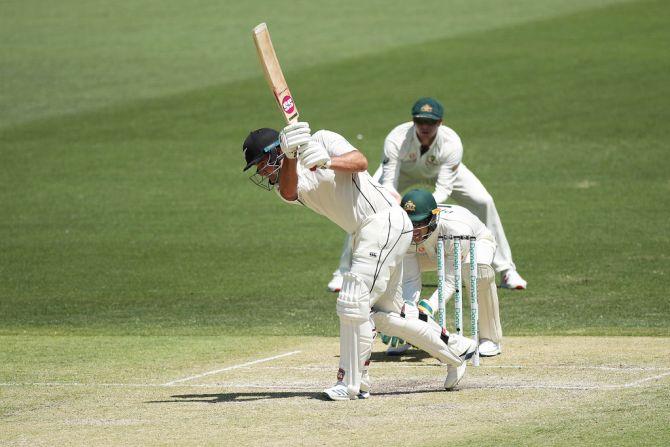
x: 416, y: 144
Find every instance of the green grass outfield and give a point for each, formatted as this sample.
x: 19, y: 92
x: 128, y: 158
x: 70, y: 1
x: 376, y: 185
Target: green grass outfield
x: 124, y: 211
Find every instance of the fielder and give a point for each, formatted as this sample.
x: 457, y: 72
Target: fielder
x: 342, y: 190
x: 426, y: 151
x: 431, y: 221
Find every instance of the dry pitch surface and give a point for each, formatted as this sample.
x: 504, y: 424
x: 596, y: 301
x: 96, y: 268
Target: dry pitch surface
x: 542, y: 390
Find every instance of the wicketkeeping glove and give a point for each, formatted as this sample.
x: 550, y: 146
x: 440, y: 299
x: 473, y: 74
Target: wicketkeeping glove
x: 315, y: 155
x: 392, y: 342
x: 293, y: 137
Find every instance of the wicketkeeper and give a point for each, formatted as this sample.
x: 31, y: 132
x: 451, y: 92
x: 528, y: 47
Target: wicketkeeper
x: 431, y: 221
x: 325, y: 173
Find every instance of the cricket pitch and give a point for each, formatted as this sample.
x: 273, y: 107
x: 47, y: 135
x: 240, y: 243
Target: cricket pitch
x: 253, y: 391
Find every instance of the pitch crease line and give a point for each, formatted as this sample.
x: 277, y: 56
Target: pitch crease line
x: 311, y: 386
x: 229, y: 368
x: 297, y: 386
x: 390, y: 365
x: 646, y: 379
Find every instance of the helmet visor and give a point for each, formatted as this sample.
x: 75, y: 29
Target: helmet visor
x: 267, y: 171
x: 424, y: 228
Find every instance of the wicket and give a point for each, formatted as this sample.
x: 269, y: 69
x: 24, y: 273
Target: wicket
x: 458, y: 299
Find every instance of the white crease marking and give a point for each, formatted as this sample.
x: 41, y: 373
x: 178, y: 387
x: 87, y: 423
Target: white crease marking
x: 646, y: 379
x: 159, y: 385
x: 433, y: 365
x: 229, y: 368
x: 312, y: 386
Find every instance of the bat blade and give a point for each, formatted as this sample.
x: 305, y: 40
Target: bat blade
x: 274, y: 74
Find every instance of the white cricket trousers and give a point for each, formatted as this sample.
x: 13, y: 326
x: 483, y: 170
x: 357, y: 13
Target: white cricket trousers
x: 378, y: 248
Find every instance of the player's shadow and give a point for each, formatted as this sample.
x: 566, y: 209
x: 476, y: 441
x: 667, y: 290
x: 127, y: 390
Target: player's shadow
x: 240, y: 397
x: 413, y: 355
x: 263, y: 395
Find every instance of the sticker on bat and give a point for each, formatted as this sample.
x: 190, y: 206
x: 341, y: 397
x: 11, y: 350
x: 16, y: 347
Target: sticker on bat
x: 288, y: 105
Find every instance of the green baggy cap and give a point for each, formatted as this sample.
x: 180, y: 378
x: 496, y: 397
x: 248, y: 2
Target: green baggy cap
x: 428, y: 108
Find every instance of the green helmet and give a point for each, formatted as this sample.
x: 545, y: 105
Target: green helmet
x: 419, y: 205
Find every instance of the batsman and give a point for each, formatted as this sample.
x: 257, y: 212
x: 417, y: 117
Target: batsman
x: 325, y: 173
x: 430, y: 221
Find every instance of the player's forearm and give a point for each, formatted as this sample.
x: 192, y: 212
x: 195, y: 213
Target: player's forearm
x: 445, y: 184
x: 353, y: 161
x: 441, y: 195
x: 390, y: 172
x: 288, y: 179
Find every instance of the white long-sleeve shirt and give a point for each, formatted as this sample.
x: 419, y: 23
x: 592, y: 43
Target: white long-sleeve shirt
x: 403, y: 163
x: 347, y: 199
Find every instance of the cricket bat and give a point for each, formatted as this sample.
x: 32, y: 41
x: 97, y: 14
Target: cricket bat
x: 273, y: 73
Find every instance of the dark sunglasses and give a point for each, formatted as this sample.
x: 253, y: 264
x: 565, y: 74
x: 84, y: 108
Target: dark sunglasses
x: 428, y: 121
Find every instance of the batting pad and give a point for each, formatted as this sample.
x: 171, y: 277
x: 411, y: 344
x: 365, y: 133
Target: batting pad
x: 489, y: 312
x: 424, y: 335
x: 356, y: 333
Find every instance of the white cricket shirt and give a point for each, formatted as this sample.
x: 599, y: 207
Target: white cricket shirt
x: 345, y: 198
x: 402, y: 158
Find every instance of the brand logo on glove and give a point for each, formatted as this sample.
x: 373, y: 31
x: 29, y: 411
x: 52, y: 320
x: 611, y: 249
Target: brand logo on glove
x: 287, y: 104
x: 409, y: 206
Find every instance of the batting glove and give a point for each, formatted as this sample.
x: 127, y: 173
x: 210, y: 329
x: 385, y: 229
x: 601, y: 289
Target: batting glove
x: 293, y: 137
x: 315, y: 156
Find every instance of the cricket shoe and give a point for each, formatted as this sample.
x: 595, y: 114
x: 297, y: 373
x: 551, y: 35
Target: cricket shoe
x: 398, y: 350
x: 337, y: 392
x: 489, y: 348
x: 512, y: 280
x: 454, y: 375
x: 335, y: 284
x: 467, y: 347
x: 363, y: 394
x: 364, y: 391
